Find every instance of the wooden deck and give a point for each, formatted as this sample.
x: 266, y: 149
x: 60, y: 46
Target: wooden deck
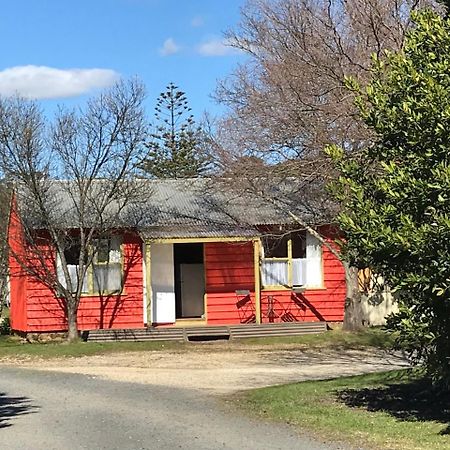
x: 206, y: 332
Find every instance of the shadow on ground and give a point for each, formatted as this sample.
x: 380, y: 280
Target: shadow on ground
x: 11, y: 407
x: 412, y: 401
x: 347, y: 358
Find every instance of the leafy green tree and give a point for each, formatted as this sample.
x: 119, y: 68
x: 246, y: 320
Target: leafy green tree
x: 446, y: 3
x: 174, y: 148
x: 396, y: 193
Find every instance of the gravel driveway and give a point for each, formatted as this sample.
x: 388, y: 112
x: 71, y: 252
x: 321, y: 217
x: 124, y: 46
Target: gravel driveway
x: 221, y: 368
x: 161, y: 399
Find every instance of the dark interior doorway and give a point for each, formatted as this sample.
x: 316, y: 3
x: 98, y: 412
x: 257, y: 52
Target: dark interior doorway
x: 189, y: 281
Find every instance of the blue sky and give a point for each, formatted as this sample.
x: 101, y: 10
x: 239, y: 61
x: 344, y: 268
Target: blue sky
x: 157, y: 40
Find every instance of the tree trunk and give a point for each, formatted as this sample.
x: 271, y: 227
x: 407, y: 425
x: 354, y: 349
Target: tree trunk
x: 353, y: 313
x: 72, y: 322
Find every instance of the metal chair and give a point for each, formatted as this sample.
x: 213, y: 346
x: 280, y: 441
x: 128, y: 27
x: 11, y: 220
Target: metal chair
x: 245, y: 307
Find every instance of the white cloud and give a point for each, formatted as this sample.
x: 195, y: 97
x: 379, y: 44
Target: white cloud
x: 169, y: 47
x: 217, y: 47
x: 197, y: 21
x: 41, y: 82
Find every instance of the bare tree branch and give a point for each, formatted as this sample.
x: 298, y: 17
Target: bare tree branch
x: 73, y: 180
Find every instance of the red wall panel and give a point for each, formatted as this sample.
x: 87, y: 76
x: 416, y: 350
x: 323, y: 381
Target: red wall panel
x: 17, y: 276
x: 314, y: 304
x: 45, y: 312
x: 229, y: 267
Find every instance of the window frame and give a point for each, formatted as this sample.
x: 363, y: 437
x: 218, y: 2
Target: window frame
x: 91, y: 292
x: 289, y: 259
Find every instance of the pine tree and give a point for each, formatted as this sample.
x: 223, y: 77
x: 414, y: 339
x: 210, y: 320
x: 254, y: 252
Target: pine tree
x: 174, y: 150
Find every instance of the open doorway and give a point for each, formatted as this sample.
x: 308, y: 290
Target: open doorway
x: 189, y: 281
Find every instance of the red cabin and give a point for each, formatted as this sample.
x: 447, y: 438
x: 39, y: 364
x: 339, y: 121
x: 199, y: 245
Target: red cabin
x: 188, y: 263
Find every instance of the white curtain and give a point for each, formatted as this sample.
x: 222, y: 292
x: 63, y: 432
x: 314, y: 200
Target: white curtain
x: 305, y: 271
x: 299, y: 271
x: 115, y: 255
x: 107, y: 277
x: 274, y: 273
x: 73, y: 273
x: 314, y: 275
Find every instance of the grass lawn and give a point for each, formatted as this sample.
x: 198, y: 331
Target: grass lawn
x: 14, y: 347
x: 335, y: 339
x: 391, y: 410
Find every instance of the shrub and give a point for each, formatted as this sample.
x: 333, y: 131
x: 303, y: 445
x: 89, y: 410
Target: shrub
x: 5, y: 326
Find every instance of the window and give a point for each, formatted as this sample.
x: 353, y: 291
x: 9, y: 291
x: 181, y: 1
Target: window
x: 294, y: 259
x: 275, y: 265
x: 104, y: 274
x: 72, y: 257
x: 107, y: 265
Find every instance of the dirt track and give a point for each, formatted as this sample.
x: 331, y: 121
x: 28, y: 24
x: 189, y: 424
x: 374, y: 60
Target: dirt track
x: 216, y: 368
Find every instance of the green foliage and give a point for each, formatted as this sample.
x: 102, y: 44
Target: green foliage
x: 5, y: 326
x: 396, y: 192
x: 446, y: 3
x: 174, y: 148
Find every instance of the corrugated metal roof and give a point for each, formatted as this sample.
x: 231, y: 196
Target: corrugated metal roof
x: 200, y: 200
x: 176, y: 209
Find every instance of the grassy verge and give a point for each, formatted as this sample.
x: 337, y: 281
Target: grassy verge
x: 13, y: 347
x: 391, y: 410
x: 337, y: 340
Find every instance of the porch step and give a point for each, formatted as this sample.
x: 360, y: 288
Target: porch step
x: 276, y: 329
x: 138, y: 334
x: 206, y: 332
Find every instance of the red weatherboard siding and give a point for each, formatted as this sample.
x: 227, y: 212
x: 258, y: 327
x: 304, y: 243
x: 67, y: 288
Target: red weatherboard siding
x: 228, y: 267
x: 45, y: 312
x: 314, y: 304
x: 17, y: 279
